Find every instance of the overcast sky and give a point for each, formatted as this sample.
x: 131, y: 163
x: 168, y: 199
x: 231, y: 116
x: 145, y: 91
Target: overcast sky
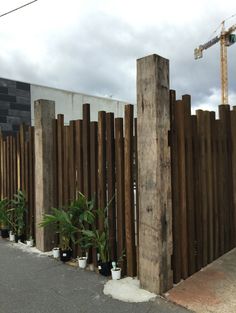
x: 91, y: 46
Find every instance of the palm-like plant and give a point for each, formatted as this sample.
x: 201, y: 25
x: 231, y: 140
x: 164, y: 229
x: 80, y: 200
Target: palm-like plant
x: 4, y: 217
x: 83, y: 218
x: 19, y: 208
x: 97, y: 238
x: 64, y: 223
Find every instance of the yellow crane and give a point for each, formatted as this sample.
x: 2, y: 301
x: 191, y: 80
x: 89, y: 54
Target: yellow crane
x: 226, y: 39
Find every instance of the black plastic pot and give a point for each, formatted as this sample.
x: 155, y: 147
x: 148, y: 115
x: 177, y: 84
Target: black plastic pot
x: 20, y: 237
x: 65, y: 255
x: 4, y: 233
x: 105, y: 268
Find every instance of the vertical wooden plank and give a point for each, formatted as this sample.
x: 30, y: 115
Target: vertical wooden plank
x: 136, y: 191
x: 4, y: 169
x: 203, y: 179
x: 186, y: 99
x: 22, y: 153
x: 197, y: 194
x: 72, y: 161
x: 94, y: 174
x: 102, y: 201
x: 180, y: 127
x: 26, y: 172
x: 214, y: 133
x: 120, y: 191
x: 11, y: 174
x: 7, y: 168
x: 79, y: 156
x: 18, y: 161
x: 176, y: 258
x: 129, y: 193
x: 209, y: 182
x: 44, y: 113
x: 233, y: 136
x: 221, y: 187
x: 32, y: 183
x: 60, y: 149
x: 155, y: 218
x: 86, y: 149
x: 110, y: 150
x: 1, y: 166
x: 66, y: 166
x: 14, y: 165
x: 55, y: 162
x: 224, y: 113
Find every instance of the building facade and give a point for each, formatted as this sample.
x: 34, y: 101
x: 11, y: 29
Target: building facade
x: 17, y: 104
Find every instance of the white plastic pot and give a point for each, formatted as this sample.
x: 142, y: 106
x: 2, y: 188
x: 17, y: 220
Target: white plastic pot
x: 30, y: 243
x: 116, y: 273
x: 56, y: 253
x: 12, y: 236
x: 82, y: 262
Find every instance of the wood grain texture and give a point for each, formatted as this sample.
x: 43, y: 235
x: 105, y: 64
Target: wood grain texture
x: 155, y: 211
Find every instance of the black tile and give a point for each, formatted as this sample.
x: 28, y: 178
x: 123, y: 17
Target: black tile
x: 4, y: 105
x: 21, y: 107
x: 7, y: 98
x: 22, y: 86
x: 4, y: 90
x: 15, y: 127
x: 9, y: 133
x: 3, y: 112
x: 3, y: 119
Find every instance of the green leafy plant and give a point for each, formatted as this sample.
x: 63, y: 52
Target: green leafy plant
x: 18, y: 204
x: 99, y: 239
x: 84, y: 218
x: 64, y: 224
x: 4, y: 216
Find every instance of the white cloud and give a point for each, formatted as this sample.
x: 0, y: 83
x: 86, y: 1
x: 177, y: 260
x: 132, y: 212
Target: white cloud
x: 92, y: 46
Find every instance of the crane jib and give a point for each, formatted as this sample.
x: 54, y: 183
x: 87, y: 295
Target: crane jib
x: 210, y: 43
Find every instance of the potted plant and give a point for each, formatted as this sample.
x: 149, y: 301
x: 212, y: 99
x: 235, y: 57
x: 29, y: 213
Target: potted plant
x: 56, y: 252
x: 19, y: 208
x: 99, y: 240
x: 84, y: 218
x: 30, y: 242
x: 4, y: 219
x: 115, y: 271
x: 63, y: 221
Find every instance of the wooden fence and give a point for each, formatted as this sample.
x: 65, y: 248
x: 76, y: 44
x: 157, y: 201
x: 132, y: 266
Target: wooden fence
x: 17, y: 170
x: 95, y: 158
x: 98, y: 159
x: 203, y: 151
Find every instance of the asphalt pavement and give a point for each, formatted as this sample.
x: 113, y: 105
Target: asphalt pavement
x: 30, y: 283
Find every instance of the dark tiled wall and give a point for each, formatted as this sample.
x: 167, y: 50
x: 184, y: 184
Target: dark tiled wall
x: 14, y: 105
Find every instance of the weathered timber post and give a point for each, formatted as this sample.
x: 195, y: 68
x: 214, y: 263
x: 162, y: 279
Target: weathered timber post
x: 44, y: 113
x: 154, y: 172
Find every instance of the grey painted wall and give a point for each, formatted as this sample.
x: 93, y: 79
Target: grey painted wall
x: 15, y: 107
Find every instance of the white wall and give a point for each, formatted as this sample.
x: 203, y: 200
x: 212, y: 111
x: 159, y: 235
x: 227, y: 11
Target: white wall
x: 70, y: 104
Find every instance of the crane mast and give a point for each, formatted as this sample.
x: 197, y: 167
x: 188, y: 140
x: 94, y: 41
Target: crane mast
x: 226, y: 39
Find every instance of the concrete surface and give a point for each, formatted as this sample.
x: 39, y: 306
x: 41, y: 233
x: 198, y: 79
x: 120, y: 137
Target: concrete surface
x: 31, y: 283
x: 213, y: 289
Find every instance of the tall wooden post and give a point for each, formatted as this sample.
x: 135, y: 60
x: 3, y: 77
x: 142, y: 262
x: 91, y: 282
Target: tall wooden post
x: 44, y: 113
x: 154, y: 172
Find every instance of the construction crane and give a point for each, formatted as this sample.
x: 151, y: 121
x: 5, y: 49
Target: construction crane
x: 226, y: 39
